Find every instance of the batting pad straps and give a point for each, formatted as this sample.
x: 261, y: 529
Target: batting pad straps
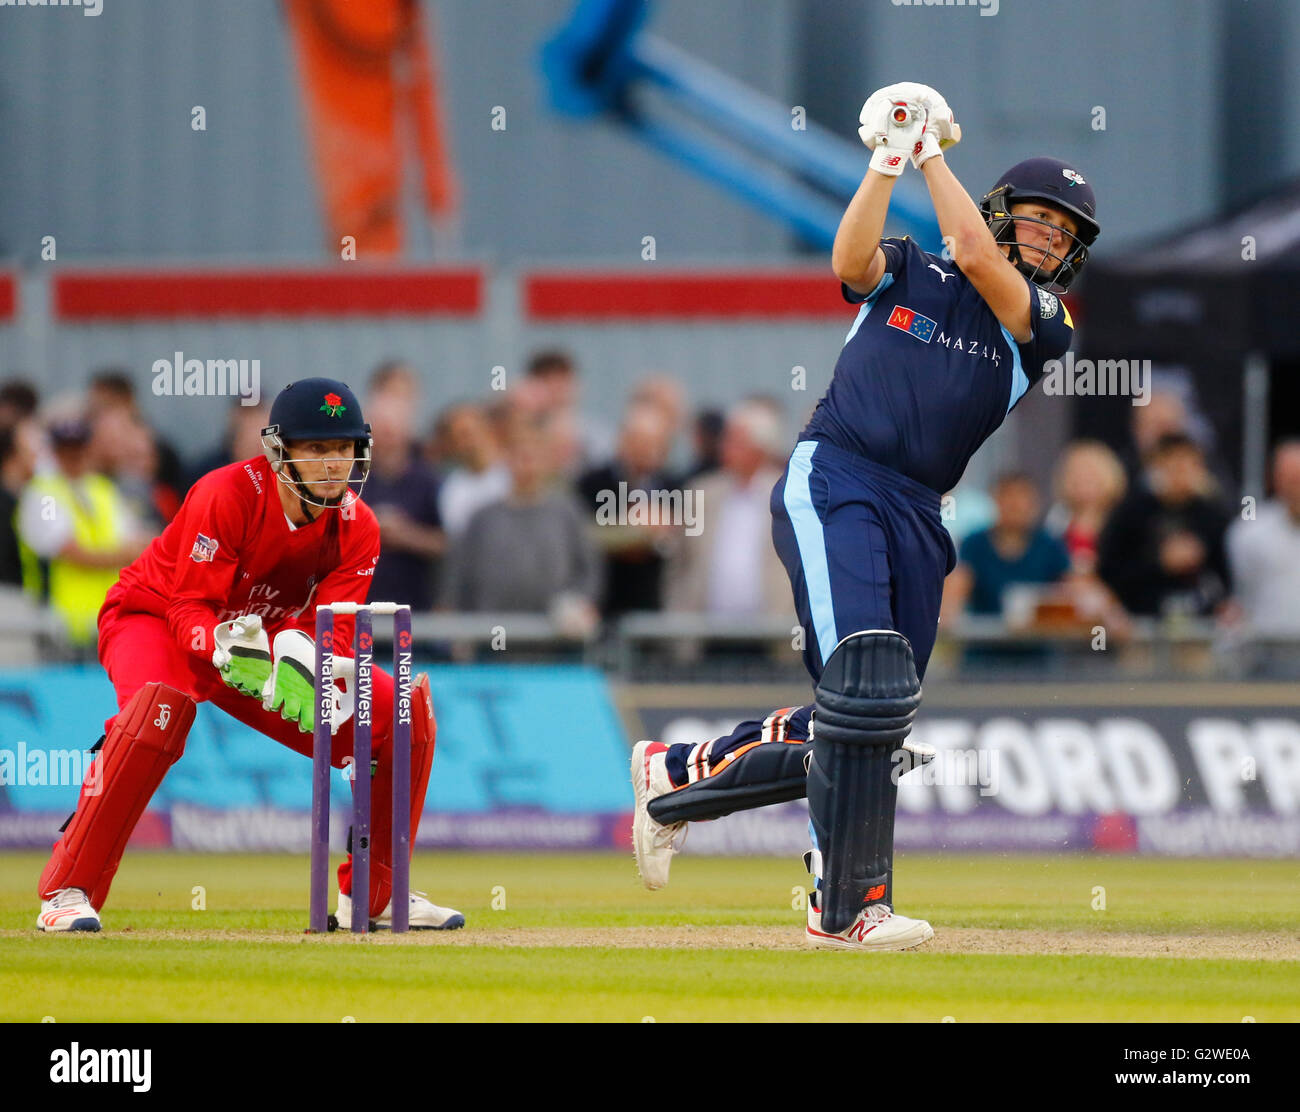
x: 765, y: 773
x: 868, y: 693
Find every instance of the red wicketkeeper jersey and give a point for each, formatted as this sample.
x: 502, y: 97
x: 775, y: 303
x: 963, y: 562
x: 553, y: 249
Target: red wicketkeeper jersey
x: 231, y: 550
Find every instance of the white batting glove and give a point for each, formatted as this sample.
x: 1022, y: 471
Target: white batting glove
x: 927, y: 148
x: 874, y: 118
x: 892, y: 130
x: 939, y: 118
x: 941, y: 130
x: 932, y: 100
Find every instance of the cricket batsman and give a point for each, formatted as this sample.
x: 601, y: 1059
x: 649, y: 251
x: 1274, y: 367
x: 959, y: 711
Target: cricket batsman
x: 943, y: 348
x: 219, y: 608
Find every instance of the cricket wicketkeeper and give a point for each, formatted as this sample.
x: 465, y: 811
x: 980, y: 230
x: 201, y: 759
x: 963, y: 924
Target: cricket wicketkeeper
x: 221, y: 607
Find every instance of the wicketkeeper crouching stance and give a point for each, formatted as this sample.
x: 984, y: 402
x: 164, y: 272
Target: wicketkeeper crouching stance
x: 943, y: 348
x: 218, y: 608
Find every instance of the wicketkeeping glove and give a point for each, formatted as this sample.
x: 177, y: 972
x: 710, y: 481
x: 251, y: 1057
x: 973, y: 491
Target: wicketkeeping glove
x: 289, y: 689
x: 242, y: 654
x: 291, y: 686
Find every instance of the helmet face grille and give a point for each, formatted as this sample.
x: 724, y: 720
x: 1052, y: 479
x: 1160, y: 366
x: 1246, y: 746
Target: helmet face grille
x: 1057, y: 266
x: 283, y: 465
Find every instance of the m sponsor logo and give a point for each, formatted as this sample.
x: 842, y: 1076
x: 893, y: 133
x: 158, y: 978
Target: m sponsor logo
x: 913, y: 323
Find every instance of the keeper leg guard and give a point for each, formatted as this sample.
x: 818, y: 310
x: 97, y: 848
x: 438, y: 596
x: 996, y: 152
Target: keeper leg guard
x: 145, y: 740
x: 866, y: 700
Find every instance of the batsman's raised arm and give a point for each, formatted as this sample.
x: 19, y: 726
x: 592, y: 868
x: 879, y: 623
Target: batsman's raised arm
x: 903, y: 122
x: 976, y: 252
x: 856, y: 258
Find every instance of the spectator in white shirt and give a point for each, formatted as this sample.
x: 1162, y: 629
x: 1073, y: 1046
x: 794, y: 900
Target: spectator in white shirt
x: 1264, y: 553
x: 731, y: 567
x: 478, y: 474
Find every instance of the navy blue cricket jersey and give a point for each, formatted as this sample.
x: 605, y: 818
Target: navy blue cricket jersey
x: 927, y: 372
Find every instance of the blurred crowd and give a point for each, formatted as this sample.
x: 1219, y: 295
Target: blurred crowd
x: 519, y: 501
x: 1151, y: 533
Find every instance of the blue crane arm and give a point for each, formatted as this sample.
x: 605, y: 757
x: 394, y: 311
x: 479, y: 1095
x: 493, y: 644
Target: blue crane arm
x: 601, y: 62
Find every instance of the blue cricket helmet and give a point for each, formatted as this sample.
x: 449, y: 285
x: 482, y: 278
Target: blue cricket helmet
x: 316, y: 409
x: 1058, y: 184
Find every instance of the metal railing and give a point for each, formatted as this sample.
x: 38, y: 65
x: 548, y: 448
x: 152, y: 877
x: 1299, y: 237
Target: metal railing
x: 687, y: 647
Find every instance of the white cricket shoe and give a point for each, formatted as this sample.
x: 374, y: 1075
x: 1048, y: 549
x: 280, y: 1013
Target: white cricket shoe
x: 67, y: 910
x: 653, y: 842
x: 875, y: 928
x: 425, y: 915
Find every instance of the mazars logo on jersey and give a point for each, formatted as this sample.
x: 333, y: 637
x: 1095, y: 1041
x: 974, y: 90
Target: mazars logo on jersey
x: 913, y: 323
x: 204, y: 550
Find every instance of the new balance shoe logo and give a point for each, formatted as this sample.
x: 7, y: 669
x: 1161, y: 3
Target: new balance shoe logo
x: 860, y: 930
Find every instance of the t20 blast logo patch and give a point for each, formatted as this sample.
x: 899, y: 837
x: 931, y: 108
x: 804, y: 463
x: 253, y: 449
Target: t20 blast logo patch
x: 205, y: 548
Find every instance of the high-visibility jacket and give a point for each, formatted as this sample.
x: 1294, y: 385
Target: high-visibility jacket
x: 77, y: 592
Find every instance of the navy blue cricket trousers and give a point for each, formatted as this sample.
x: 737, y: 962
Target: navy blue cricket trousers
x: 865, y: 548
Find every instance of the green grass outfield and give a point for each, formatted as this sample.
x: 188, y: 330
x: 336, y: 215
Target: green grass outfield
x: 1017, y: 938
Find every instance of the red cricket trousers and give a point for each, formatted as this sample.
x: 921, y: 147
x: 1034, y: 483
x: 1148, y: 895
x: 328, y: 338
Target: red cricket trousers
x: 136, y: 649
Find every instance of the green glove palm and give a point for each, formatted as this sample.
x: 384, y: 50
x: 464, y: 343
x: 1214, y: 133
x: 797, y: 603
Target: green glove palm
x: 293, y: 695
x: 243, y: 655
x: 247, y: 671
